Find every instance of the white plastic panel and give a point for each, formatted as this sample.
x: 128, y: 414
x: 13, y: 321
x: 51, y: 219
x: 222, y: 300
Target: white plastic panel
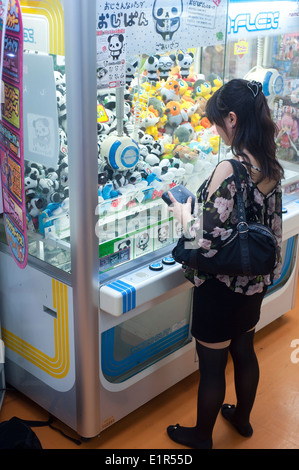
x: 141, y: 286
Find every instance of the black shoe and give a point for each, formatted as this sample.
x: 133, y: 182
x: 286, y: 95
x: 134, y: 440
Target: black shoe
x: 227, y: 412
x: 188, y: 437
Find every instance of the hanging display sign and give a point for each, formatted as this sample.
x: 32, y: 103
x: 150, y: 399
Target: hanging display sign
x: 163, y: 25
x: 262, y: 18
x: 111, y: 58
x: 11, y: 136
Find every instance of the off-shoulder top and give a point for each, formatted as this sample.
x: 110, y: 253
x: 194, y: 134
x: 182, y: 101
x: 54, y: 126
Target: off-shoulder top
x: 218, y: 216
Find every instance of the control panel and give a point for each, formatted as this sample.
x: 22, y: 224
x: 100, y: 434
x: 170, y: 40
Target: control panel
x: 141, y: 286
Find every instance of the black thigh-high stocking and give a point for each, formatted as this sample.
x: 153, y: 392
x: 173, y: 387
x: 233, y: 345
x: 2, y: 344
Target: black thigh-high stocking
x: 246, y: 371
x: 211, y: 392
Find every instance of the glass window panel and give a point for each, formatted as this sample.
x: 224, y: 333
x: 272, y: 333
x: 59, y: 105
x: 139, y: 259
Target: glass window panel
x: 45, y: 136
x: 141, y: 341
x: 163, y: 113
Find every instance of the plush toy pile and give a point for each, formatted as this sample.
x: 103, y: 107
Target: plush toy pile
x: 46, y: 189
x: 164, y: 112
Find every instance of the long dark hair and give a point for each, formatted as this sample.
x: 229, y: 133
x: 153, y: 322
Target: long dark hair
x: 255, y: 130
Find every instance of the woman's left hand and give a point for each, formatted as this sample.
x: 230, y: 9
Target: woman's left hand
x: 181, y: 212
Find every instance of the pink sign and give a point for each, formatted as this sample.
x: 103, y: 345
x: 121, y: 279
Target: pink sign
x: 11, y: 136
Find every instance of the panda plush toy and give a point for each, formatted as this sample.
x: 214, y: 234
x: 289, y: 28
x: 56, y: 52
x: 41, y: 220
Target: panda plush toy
x: 49, y: 189
x: 32, y: 174
x: 185, y: 61
x: 166, y: 63
x: 152, y: 66
x: 63, y: 149
x: 61, y: 106
x: 30, y: 184
x: 60, y: 81
x: 33, y: 209
x: 131, y: 67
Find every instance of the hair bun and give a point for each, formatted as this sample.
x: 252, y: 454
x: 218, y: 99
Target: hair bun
x: 255, y: 87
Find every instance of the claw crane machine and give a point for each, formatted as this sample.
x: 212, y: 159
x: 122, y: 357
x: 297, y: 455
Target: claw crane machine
x: 104, y: 110
x: 263, y: 45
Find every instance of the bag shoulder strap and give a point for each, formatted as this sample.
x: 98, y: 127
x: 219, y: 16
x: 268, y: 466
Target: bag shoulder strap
x: 40, y: 424
x: 35, y: 424
x: 241, y: 208
x: 237, y: 166
x: 242, y: 226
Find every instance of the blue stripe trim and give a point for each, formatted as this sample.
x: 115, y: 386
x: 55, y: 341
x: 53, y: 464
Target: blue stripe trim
x: 131, y: 288
x: 128, y: 292
x: 288, y: 257
x: 286, y: 264
x: 115, y: 287
x: 115, y: 368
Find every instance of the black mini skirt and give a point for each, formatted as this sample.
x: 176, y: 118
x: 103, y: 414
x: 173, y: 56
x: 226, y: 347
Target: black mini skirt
x: 220, y: 314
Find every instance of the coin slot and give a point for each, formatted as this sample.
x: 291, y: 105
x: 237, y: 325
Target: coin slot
x: 50, y: 311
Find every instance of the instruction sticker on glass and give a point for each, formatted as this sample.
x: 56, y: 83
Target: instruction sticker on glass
x: 201, y: 14
x: 111, y: 58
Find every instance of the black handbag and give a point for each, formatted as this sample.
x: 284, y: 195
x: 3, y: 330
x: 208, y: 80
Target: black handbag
x: 251, y: 249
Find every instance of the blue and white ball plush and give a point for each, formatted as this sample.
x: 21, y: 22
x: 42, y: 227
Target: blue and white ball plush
x: 121, y: 152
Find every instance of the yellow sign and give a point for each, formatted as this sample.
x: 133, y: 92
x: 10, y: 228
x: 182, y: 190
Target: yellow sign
x: 241, y: 48
x: 43, y: 26
x: 102, y: 115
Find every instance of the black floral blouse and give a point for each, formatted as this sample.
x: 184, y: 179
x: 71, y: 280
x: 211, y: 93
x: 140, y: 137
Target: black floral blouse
x: 218, y: 216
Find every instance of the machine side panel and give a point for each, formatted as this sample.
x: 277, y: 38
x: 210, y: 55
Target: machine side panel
x: 37, y: 324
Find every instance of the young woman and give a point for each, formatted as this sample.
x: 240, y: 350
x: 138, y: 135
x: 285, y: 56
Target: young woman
x: 226, y: 309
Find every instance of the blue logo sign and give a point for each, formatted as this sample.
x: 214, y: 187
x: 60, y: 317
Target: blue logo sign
x: 248, y: 22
